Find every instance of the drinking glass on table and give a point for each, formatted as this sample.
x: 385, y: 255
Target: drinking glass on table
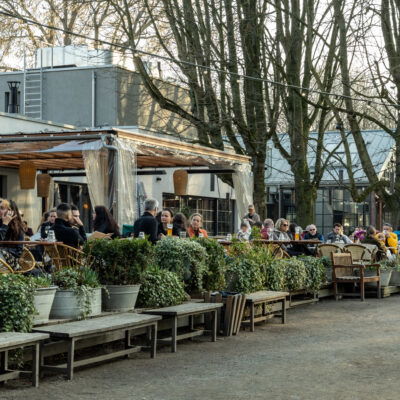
x: 51, y: 237
x: 169, y: 229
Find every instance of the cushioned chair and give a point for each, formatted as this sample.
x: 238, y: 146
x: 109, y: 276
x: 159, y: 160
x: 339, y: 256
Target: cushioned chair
x: 345, y: 271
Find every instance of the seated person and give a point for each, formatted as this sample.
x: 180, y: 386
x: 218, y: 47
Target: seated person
x: 65, y: 227
x: 195, y: 227
x: 370, y: 238
x: 268, y: 228
x: 313, y: 234
x: 147, y: 223
x: 11, y: 229
x: 180, y: 223
x: 337, y: 236
x: 76, y: 221
x: 281, y: 230
x: 104, y: 222
x: 244, y: 231
x: 390, y: 238
x: 166, y: 219
x: 48, y: 223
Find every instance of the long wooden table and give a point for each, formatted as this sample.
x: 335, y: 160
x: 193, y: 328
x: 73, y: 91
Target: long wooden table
x: 85, y: 329
x: 187, y: 310
x: 15, y: 340
x: 28, y: 243
x: 264, y: 297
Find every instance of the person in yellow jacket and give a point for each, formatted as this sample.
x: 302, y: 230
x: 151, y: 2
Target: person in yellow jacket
x: 391, y: 238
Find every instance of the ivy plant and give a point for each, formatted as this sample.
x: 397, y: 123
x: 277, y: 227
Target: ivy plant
x: 274, y: 275
x: 316, y: 275
x: 295, y: 273
x: 160, y: 288
x: 119, y: 261
x: 17, y: 306
x: 244, y: 275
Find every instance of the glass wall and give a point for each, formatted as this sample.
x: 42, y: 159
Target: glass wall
x: 218, y: 214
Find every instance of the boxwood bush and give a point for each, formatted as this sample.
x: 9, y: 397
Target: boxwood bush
x: 160, y: 288
x: 244, y: 275
x: 316, y: 275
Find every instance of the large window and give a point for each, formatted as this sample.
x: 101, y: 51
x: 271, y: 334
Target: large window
x: 218, y: 214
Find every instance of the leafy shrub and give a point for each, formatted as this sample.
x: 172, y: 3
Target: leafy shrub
x: 119, y: 261
x: 82, y: 281
x: 186, y: 258
x: 17, y: 307
x: 244, y: 275
x: 316, y: 274
x: 41, y: 281
x: 295, y: 273
x: 274, y: 275
x: 160, y: 288
x: 214, y: 279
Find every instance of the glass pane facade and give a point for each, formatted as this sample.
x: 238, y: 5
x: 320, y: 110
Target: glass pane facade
x: 218, y: 214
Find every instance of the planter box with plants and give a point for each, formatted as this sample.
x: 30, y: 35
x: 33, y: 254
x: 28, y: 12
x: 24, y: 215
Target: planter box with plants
x: 119, y: 264
x: 78, y: 294
x: 45, y: 292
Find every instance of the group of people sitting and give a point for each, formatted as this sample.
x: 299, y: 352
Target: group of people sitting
x: 155, y: 224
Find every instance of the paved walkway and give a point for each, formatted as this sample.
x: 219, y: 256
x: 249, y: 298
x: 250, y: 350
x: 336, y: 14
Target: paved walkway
x: 330, y: 350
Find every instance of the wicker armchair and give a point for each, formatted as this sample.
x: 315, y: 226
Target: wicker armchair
x: 64, y: 256
x: 359, y: 253
x: 5, y: 268
x: 26, y: 262
x: 325, y: 250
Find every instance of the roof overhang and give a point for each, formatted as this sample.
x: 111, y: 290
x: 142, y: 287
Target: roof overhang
x: 63, y: 150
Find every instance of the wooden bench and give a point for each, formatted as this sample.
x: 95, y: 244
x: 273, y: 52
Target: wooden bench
x: 263, y: 298
x: 15, y: 340
x: 80, y: 330
x: 187, y: 310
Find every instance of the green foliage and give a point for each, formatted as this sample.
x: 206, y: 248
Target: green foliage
x: 186, y: 258
x: 119, y: 261
x: 17, y: 308
x: 160, y: 288
x: 274, y: 275
x: 41, y: 281
x: 214, y: 279
x: 295, y: 273
x: 255, y: 233
x: 316, y: 274
x: 82, y: 281
x: 244, y: 275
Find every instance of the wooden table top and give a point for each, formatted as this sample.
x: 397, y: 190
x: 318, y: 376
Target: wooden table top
x: 97, y: 325
x: 8, y: 339
x: 263, y: 295
x: 184, y: 309
x: 305, y: 242
x: 28, y: 243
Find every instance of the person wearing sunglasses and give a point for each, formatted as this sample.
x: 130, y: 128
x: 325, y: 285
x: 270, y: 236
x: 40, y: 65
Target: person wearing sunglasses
x: 313, y: 234
x: 281, y: 230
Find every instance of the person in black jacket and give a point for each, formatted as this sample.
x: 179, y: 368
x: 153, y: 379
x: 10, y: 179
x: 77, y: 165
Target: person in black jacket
x: 104, y: 222
x: 64, y: 230
x: 147, y: 223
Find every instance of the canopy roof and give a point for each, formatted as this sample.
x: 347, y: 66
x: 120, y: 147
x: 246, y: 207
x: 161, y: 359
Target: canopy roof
x: 63, y: 150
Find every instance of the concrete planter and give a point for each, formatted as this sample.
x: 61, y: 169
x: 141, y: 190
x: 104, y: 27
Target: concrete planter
x: 66, y: 305
x: 395, y: 278
x: 43, y: 301
x: 120, y: 297
x: 385, y: 278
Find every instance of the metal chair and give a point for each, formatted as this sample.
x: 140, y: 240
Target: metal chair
x: 343, y: 271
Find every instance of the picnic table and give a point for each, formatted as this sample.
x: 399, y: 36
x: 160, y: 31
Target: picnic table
x: 15, y: 340
x: 264, y: 297
x: 187, y: 310
x: 85, y: 329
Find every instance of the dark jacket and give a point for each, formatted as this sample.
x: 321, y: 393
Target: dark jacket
x: 105, y: 228
x: 15, y: 251
x: 46, y: 226
x: 381, y: 252
x: 67, y: 234
x: 147, y: 224
x: 161, y: 230
x: 317, y: 236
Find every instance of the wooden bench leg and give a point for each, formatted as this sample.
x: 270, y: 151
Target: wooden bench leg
x: 70, y: 361
x: 174, y: 334
x: 153, y: 339
x: 3, y: 364
x: 191, y: 325
x: 264, y: 311
x: 214, y: 326
x: 252, y: 318
x: 35, y: 364
x: 284, y: 311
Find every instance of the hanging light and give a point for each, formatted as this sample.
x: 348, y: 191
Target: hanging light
x: 180, y: 182
x: 43, y: 185
x: 27, y: 175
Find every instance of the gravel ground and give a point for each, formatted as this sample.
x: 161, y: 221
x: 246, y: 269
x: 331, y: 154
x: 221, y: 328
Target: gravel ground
x: 329, y: 350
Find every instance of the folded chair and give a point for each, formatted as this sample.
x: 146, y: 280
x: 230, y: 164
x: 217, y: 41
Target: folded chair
x: 345, y: 271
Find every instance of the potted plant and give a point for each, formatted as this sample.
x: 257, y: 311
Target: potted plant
x: 315, y: 273
x: 161, y: 288
x: 78, y: 294
x: 274, y: 275
x: 395, y: 278
x: 119, y: 264
x: 185, y: 257
x: 43, y: 297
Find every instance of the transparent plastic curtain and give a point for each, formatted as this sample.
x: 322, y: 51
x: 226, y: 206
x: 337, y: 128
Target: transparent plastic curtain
x: 243, y: 185
x: 96, y: 161
x: 126, y: 188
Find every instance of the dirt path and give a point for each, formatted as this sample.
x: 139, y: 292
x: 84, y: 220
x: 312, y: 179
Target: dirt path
x: 330, y: 350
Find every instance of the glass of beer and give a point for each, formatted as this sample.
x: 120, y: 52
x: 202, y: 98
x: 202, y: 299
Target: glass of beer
x: 169, y: 229
x: 297, y: 233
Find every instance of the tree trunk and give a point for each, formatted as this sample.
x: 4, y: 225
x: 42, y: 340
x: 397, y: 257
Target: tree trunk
x: 259, y: 184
